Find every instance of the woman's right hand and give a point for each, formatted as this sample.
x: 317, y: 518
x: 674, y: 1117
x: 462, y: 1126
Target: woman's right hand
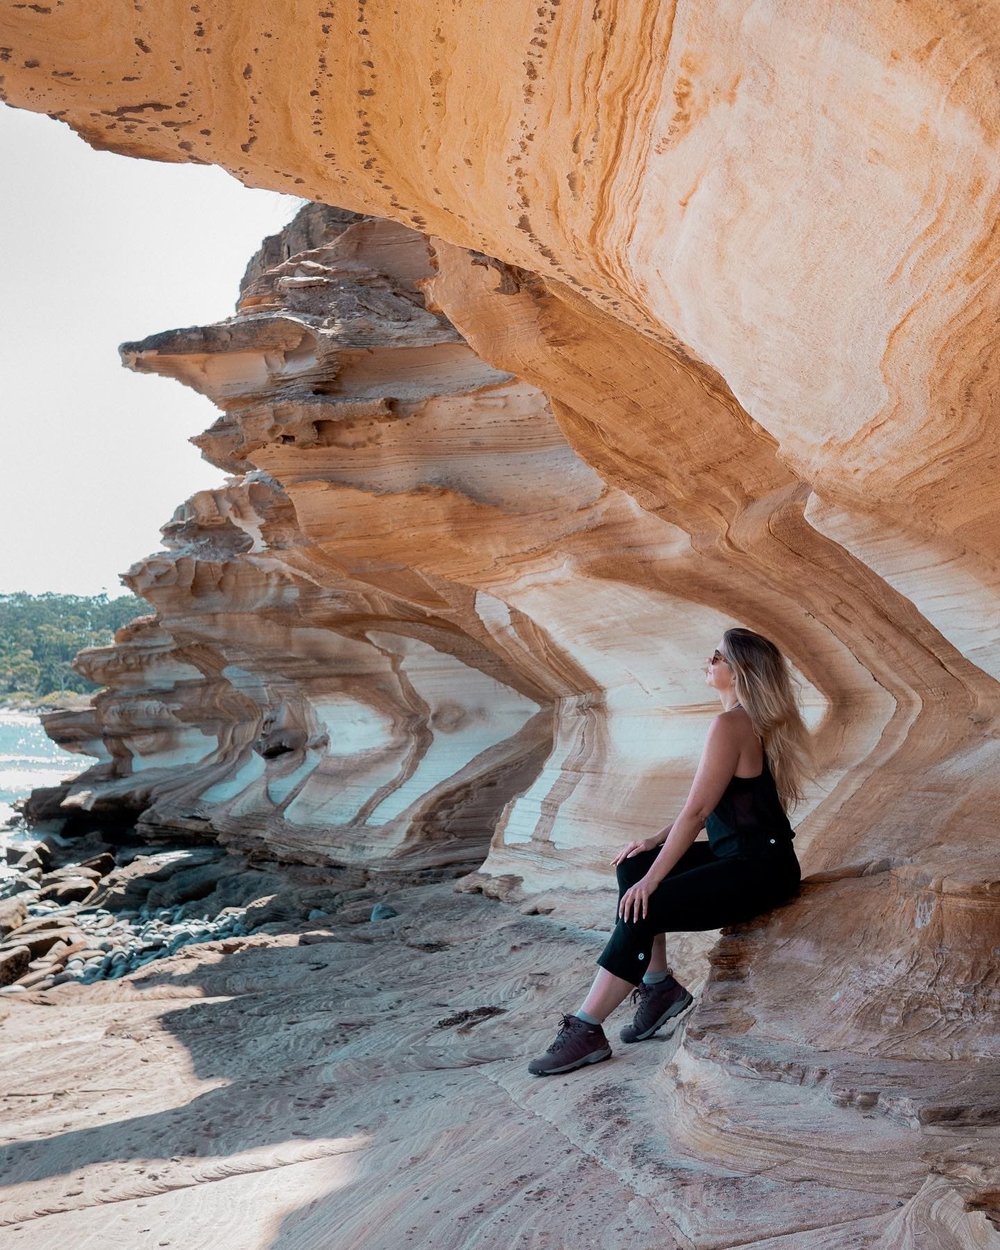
x: 636, y: 848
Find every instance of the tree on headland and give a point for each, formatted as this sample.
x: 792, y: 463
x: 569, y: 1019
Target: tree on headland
x: 40, y: 635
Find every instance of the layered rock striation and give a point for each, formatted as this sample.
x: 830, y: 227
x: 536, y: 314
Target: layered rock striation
x: 654, y: 319
x: 329, y: 675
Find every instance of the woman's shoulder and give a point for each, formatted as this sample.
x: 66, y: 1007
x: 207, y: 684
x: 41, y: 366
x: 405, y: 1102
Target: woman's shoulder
x: 730, y: 732
x: 733, y: 731
x: 736, y: 722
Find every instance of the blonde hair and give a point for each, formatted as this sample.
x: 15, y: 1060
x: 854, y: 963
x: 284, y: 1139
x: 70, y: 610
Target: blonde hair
x: 763, y: 685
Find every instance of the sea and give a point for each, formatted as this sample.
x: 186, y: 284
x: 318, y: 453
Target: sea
x: 28, y: 758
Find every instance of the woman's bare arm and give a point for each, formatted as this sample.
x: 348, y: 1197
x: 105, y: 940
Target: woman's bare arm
x: 716, y: 767
x: 639, y: 845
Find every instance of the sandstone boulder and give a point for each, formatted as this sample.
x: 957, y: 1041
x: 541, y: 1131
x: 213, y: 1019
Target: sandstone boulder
x: 13, y: 912
x: 13, y: 963
x: 128, y: 886
x: 67, y: 890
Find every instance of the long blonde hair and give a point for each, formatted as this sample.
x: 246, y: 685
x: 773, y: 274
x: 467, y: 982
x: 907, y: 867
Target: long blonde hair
x: 764, y: 688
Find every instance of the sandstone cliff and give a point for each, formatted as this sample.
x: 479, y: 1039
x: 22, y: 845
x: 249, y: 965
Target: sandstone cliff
x: 658, y: 317
x: 317, y: 680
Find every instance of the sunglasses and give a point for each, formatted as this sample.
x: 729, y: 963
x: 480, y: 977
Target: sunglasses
x: 717, y: 656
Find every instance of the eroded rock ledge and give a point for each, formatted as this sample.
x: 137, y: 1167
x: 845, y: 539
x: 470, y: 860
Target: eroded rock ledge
x: 331, y: 673
x: 416, y: 619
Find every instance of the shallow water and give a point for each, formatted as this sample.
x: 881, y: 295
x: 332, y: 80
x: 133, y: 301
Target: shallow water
x: 29, y: 758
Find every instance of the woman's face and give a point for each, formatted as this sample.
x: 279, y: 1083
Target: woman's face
x: 718, y: 674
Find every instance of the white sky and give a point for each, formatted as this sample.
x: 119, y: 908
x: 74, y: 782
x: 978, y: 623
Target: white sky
x: 100, y: 249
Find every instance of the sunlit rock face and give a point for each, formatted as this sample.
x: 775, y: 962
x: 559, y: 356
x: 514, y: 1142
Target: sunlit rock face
x: 417, y: 619
x: 704, y: 333
x: 331, y: 674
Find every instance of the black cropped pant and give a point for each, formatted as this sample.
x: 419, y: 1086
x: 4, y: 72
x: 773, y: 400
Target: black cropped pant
x: 701, y: 892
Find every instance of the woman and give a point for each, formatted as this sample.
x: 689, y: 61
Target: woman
x: 751, y: 768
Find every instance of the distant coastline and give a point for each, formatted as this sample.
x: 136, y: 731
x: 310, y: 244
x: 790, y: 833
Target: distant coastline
x: 61, y: 701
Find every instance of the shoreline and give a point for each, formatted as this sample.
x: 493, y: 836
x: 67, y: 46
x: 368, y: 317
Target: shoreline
x: 100, y: 905
x: 75, y: 704
x: 31, y: 762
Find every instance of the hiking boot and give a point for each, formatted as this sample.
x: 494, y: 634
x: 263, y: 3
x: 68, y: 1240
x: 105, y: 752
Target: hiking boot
x: 577, y: 1043
x: 657, y: 1004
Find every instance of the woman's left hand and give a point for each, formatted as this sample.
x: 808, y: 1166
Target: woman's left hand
x: 634, y: 903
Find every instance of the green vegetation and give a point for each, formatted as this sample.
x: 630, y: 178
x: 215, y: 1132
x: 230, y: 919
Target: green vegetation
x: 40, y: 635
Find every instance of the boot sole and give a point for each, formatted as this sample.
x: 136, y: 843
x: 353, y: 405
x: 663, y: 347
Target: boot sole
x: 675, y: 1009
x: 596, y: 1057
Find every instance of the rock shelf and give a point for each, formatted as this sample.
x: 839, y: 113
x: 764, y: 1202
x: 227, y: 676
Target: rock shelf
x: 114, y: 909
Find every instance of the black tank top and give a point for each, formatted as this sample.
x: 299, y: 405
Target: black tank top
x: 749, y: 818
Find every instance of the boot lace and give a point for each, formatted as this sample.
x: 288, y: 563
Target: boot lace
x: 566, y: 1026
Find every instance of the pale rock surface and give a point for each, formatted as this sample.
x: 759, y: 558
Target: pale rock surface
x: 364, y: 1086
x: 307, y: 681
x: 733, y: 363
x: 390, y: 625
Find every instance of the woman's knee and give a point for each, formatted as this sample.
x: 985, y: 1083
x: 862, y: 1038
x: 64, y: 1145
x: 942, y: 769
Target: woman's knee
x: 637, y: 933
x: 629, y: 871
